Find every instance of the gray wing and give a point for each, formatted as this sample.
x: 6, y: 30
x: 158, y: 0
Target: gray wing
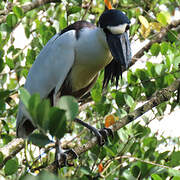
x: 48, y: 72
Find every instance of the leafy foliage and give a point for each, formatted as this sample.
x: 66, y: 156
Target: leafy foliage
x: 136, y: 151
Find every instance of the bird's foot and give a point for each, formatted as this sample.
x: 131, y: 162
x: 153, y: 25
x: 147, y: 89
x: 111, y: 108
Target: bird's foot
x: 100, y: 134
x: 103, y: 137
x: 61, y: 157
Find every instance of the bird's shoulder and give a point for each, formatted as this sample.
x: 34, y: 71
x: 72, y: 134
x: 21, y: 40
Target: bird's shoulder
x: 78, y: 26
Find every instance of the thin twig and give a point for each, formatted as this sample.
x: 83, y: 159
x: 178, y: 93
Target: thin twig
x: 160, y: 97
x: 28, y: 7
x: 87, y: 9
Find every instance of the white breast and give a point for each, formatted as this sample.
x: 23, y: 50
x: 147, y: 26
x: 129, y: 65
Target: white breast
x: 91, y: 55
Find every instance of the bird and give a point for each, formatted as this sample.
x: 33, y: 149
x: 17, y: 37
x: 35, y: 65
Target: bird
x: 70, y: 62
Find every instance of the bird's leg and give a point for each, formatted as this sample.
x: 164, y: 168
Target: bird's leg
x: 61, y: 155
x: 100, y: 134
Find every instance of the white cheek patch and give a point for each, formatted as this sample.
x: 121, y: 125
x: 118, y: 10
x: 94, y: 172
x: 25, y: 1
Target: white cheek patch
x: 117, y: 29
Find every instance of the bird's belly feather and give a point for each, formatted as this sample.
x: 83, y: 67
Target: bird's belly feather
x: 87, y: 67
x: 91, y: 56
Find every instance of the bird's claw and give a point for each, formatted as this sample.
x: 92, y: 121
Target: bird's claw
x: 72, y: 153
x: 61, y: 158
x: 104, y: 133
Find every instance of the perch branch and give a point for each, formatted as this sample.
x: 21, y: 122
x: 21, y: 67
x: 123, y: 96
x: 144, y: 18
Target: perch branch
x: 160, y: 97
x: 11, y: 149
x: 28, y: 7
x: 158, y: 39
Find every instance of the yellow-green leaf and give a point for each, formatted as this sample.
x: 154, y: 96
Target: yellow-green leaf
x: 144, y: 21
x: 164, y: 18
x: 155, y: 26
x: 144, y: 31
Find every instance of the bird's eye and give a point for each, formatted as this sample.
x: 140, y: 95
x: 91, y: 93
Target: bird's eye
x: 127, y: 27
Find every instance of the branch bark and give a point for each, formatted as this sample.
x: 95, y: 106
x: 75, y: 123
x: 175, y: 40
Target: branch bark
x: 12, y: 148
x: 158, y: 39
x: 160, y: 97
x: 15, y: 146
x: 28, y: 7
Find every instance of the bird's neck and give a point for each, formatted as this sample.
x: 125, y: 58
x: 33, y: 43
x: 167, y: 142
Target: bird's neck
x: 102, y: 37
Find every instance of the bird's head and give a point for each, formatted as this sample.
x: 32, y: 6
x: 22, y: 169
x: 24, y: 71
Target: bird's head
x: 115, y: 25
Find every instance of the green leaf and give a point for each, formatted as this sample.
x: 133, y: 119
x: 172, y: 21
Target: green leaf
x: 159, y: 68
x: 62, y: 22
x: 24, y: 72
x: 11, y: 20
x: 135, y: 171
x: 151, y: 68
x: 174, y: 172
x: 162, y: 156
x: 24, y: 96
x: 176, y: 62
x: 142, y: 74
x: 164, y: 48
x: 168, y: 79
x: 43, y: 175
x: 5, y: 27
x: 133, y: 29
x: 141, y: 131
x: 164, y: 18
x: 4, y: 93
x: 39, y: 139
x: 18, y: 11
x: 33, y: 103
x: 161, y: 108
x: 42, y: 114
x: 1, y: 64
x: 5, y: 126
x: 136, y: 92
x: 12, y: 84
x: 176, y: 178
x: 31, y: 55
x: 156, y: 177
x: 172, y: 36
x: 85, y: 170
x: 73, y: 10
x: 149, y: 88
x: 57, y: 122
x: 10, y: 63
x: 150, y: 142
x: 149, y: 153
x: 1, y: 157
x: 109, y: 151
x: 11, y: 167
x: 132, y: 79
x: 96, y: 92
x: 175, y: 159
x: 155, y: 49
x: 123, y: 135
x: 129, y: 100
x: 27, y: 31
x: 2, y: 106
x: 70, y: 105
x: 119, y: 98
x: 6, y: 138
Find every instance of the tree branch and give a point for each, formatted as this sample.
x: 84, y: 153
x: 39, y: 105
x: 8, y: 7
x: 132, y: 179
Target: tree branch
x: 160, y: 97
x: 158, y: 39
x: 12, y: 148
x: 28, y: 7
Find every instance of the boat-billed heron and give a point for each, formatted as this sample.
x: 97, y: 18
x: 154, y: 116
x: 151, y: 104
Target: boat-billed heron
x: 70, y: 62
